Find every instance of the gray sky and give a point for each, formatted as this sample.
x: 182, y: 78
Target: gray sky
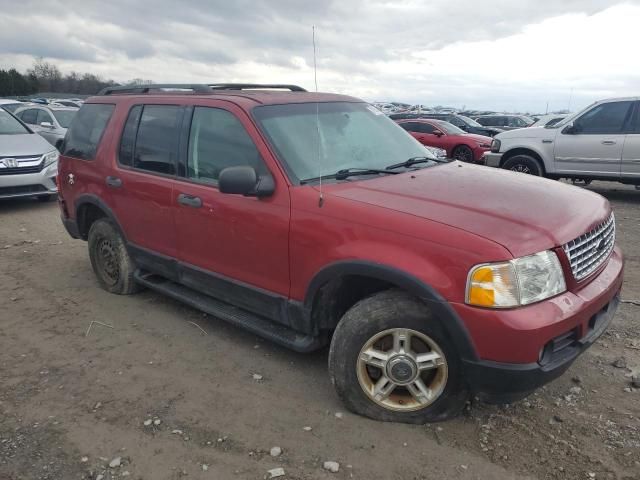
x: 489, y: 54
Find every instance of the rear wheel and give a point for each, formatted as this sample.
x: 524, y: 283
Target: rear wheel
x: 390, y: 360
x: 524, y: 164
x: 110, y: 260
x: 463, y: 153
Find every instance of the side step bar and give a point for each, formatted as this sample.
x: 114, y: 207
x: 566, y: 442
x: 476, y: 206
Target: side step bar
x: 263, y: 327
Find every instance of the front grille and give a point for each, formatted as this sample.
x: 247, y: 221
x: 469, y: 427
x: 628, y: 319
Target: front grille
x: 21, y: 189
x: 587, y: 252
x: 25, y: 165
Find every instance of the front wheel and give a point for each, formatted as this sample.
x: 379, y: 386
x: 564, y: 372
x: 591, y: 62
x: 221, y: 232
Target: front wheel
x: 390, y: 360
x: 463, y: 153
x: 524, y: 164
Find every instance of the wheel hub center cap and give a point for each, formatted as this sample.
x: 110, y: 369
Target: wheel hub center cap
x: 402, y: 370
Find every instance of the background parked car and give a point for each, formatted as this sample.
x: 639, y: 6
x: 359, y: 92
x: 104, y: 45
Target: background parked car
x: 602, y: 142
x: 68, y: 103
x: 459, y: 145
x: 49, y: 121
x: 463, y: 123
x: 549, y: 120
x: 505, y: 122
x: 28, y: 164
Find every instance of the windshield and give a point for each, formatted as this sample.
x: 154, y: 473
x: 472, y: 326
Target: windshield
x: 569, y: 118
x: 64, y: 117
x: 11, y: 107
x: 469, y: 121
x: 10, y: 126
x: 314, y: 139
x: 450, y: 129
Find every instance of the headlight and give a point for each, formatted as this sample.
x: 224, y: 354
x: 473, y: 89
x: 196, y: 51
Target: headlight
x: 484, y: 145
x: 495, y: 145
x: 50, y: 158
x: 518, y: 282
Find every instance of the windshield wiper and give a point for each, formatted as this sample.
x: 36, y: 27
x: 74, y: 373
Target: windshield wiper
x: 350, y: 172
x: 413, y: 161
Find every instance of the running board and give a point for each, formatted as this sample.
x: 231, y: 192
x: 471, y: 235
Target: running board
x: 263, y: 327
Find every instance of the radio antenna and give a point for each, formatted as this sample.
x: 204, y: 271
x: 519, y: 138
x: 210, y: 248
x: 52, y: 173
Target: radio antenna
x: 315, y: 80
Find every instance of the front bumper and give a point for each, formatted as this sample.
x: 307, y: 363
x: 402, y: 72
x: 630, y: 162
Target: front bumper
x: 492, y: 159
x: 523, y: 348
x: 30, y: 184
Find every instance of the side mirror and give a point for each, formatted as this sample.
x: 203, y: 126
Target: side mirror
x: 571, y: 129
x: 245, y: 181
x: 46, y: 124
x: 438, y: 133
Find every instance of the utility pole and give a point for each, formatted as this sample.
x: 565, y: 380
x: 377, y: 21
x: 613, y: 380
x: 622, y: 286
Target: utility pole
x: 547, y: 109
x: 570, y: 98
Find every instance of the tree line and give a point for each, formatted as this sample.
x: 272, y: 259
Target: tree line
x: 47, y: 77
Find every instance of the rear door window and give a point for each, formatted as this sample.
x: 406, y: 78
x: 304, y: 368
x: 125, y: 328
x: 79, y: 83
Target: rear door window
x: 85, y: 132
x: 128, y: 139
x: 411, y: 126
x: 156, y: 147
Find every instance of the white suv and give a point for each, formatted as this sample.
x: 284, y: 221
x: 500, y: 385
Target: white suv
x: 602, y: 142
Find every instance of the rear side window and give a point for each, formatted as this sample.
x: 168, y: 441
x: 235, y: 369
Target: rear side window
x: 85, y: 132
x: 410, y: 126
x: 156, y: 146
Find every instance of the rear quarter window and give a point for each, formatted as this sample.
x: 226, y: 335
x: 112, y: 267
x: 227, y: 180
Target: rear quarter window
x: 85, y: 132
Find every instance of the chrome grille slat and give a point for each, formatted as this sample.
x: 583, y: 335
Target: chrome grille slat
x: 583, y: 253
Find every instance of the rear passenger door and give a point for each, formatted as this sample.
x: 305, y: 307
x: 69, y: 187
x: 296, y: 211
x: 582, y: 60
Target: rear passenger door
x: 233, y: 247
x: 630, y: 165
x: 141, y: 186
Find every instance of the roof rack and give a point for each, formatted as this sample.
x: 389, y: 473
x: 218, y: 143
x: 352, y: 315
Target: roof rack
x: 133, y: 89
x: 195, y: 88
x: 256, y: 86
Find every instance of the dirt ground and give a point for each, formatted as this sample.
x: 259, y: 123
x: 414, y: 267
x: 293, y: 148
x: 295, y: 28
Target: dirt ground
x: 171, y: 402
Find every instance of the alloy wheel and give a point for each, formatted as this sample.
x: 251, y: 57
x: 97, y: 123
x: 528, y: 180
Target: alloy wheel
x: 402, y: 369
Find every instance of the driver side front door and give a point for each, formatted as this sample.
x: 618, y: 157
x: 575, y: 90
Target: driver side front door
x: 593, y: 146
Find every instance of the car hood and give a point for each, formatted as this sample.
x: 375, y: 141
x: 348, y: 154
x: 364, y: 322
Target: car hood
x: 522, y: 213
x: 527, y: 132
x: 477, y: 138
x: 23, y: 145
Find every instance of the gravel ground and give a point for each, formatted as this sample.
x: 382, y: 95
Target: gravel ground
x: 156, y: 398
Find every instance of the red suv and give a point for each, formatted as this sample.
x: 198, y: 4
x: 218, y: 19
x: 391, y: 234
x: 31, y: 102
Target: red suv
x: 460, y: 145
x: 312, y: 219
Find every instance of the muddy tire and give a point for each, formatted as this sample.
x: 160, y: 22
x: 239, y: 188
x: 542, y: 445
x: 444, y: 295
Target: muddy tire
x: 391, y: 360
x: 110, y: 260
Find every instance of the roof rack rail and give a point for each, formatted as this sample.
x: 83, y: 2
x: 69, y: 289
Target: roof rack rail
x: 137, y: 89
x: 255, y: 86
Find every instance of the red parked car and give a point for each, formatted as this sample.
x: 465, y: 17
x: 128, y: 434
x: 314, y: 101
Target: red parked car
x: 466, y: 147
x: 312, y: 219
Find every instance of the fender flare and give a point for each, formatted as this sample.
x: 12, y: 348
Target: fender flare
x: 453, y: 325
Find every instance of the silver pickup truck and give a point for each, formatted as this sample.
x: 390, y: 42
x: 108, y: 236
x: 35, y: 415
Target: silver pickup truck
x: 601, y: 142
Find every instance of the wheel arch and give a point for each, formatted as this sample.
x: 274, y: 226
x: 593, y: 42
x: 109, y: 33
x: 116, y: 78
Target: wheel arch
x: 89, y: 208
x: 331, y: 292
x: 523, y: 151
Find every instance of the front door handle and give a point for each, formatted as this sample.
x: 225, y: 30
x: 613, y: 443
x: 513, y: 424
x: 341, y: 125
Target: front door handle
x: 113, y: 182
x: 608, y: 142
x: 189, y: 200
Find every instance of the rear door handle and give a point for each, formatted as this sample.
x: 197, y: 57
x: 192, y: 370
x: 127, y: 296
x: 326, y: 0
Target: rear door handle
x: 113, y: 182
x: 189, y: 200
x: 608, y: 142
